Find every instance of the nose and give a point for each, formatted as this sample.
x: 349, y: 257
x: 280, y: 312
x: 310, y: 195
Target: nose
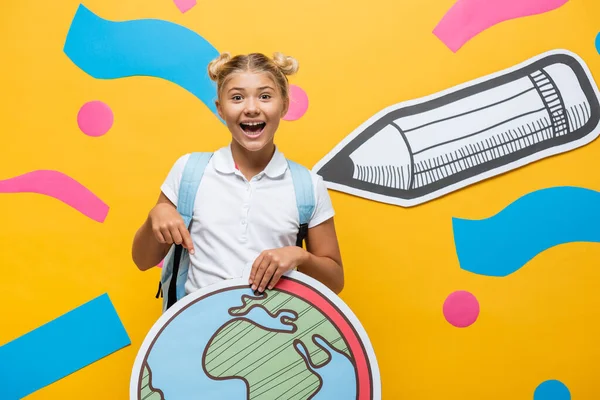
x: 251, y: 107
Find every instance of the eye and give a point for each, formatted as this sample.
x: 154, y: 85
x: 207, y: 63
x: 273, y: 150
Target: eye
x: 265, y: 96
x: 236, y: 97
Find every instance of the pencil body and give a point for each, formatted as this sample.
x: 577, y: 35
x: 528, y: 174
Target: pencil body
x: 419, y: 150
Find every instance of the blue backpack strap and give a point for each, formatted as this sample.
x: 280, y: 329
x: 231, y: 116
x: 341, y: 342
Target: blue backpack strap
x: 190, y: 181
x: 305, y: 197
x: 188, y: 187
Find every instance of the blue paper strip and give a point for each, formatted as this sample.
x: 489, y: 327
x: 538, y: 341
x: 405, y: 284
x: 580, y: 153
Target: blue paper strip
x: 60, y: 347
x: 505, y: 242
x: 148, y: 47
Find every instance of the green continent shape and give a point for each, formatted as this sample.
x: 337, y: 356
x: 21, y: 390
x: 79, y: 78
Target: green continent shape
x: 147, y: 391
x: 267, y: 359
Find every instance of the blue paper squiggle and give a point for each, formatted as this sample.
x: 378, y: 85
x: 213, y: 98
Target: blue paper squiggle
x: 505, y: 242
x: 148, y: 47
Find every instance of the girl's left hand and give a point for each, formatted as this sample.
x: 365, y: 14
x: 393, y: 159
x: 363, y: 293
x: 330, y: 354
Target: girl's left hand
x: 270, y: 265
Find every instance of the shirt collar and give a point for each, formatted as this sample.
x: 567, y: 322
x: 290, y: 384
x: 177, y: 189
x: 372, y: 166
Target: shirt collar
x: 223, y: 162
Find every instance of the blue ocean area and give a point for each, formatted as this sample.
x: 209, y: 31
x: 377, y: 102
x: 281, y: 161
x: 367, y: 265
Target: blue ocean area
x: 175, y: 359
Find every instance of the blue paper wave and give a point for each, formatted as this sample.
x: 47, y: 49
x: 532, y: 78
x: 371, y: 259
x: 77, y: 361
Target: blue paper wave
x: 146, y: 47
x: 502, y: 244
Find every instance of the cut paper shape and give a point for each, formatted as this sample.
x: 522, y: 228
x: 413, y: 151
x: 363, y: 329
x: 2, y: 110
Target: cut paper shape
x: 468, y: 18
x: 95, y: 118
x: 461, y: 309
x: 146, y: 47
x: 598, y: 43
x: 298, y: 340
x: 500, y: 245
x: 419, y: 150
x: 61, y: 187
x: 61, y: 347
x: 185, y: 5
x: 298, y: 103
x: 552, y: 390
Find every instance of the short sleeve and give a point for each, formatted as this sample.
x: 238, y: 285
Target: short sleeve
x: 170, y: 186
x: 323, y: 206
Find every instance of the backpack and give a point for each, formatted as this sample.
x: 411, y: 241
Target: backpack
x: 176, y: 263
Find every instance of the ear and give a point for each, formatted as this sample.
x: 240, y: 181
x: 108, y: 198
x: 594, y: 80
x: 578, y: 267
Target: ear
x: 286, y: 106
x: 219, y: 109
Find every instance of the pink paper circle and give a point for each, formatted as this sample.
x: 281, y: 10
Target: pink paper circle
x: 160, y: 264
x: 95, y: 118
x: 461, y: 309
x: 298, y: 103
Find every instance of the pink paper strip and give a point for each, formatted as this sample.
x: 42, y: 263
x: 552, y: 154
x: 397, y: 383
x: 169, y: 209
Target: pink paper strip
x: 61, y: 187
x: 184, y: 5
x: 468, y: 18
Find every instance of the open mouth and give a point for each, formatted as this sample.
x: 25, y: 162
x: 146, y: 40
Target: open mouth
x: 252, y: 128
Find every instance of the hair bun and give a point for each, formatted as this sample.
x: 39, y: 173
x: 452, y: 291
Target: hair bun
x: 216, y: 66
x: 288, y: 65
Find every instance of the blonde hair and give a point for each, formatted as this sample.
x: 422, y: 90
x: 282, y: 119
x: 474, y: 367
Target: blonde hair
x: 279, y: 67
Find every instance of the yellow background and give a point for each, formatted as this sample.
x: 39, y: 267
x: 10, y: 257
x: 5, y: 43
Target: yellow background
x: 355, y: 59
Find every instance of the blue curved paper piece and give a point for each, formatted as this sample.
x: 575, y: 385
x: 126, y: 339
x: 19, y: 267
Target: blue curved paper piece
x: 598, y: 43
x: 60, y: 347
x: 505, y: 242
x: 147, y: 47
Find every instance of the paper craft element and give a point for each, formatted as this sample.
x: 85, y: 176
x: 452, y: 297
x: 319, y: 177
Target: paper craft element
x: 298, y: 103
x: 95, y: 118
x: 297, y: 341
x: 461, y: 309
x: 468, y: 18
x: 422, y: 149
x: 147, y: 47
x: 184, y: 5
x: 500, y: 245
x: 51, y: 352
x: 552, y: 390
x: 59, y: 186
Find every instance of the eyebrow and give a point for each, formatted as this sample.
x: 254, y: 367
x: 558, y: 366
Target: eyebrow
x: 242, y: 89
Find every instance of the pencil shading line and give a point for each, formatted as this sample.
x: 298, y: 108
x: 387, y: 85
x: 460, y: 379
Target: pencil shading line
x: 418, y: 150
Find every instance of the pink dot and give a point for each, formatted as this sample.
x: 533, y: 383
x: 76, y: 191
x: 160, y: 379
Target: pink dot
x: 461, y: 309
x: 298, y: 103
x: 95, y: 118
x: 160, y: 264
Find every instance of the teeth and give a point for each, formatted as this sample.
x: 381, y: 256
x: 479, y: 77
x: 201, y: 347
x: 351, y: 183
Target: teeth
x: 252, y: 123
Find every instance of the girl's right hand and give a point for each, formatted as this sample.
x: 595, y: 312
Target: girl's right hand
x: 168, y: 226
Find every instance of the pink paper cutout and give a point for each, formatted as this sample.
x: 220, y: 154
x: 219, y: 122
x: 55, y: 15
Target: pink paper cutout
x: 59, y: 186
x: 298, y: 103
x: 461, y: 309
x: 95, y: 118
x: 468, y: 18
x: 184, y: 5
x: 160, y: 264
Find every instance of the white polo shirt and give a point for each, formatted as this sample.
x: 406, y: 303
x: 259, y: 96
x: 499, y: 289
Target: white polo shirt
x: 236, y: 219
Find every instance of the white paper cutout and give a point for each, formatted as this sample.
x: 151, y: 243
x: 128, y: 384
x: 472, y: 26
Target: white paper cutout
x: 419, y: 150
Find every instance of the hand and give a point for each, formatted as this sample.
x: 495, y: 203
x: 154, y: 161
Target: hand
x: 168, y: 226
x: 270, y: 265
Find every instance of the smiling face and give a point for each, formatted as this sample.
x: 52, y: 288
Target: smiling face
x: 252, y: 105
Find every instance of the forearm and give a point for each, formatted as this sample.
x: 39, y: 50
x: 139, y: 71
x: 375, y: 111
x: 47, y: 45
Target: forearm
x: 146, y: 251
x: 324, y: 269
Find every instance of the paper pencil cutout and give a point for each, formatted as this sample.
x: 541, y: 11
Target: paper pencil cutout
x: 419, y: 150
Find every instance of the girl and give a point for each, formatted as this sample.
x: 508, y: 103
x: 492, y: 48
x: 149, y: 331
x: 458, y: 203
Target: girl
x: 245, y: 209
